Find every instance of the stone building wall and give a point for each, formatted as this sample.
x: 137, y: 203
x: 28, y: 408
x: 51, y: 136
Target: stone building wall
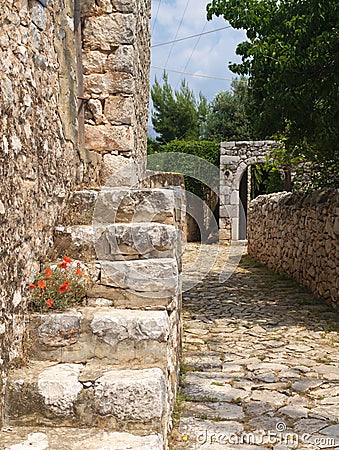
x: 298, y: 234
x: 116, y: 55
x: 38, y: 148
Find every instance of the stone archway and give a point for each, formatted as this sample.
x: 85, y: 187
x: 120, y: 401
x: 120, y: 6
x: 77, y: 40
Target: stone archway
x: 235, y: 158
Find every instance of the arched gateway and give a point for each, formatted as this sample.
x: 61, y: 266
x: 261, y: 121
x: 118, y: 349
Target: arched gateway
x: 235, y: 184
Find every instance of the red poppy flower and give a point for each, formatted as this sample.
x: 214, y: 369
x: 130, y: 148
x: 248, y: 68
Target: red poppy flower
x: 64, y: 287
x: 67, y: 259
x: 32, y: 286
x: 42, y: 284
x: 49, y: 302
x: 63, y: 265
x: 48, y: 273
x: 78, y: 272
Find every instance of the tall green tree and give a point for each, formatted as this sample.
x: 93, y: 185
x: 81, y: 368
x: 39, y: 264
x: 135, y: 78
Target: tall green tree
x: 229, y: 116
x: 292, y: 60
x: 176, y: 114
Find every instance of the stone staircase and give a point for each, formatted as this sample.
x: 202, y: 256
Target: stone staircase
x: 104, y: 375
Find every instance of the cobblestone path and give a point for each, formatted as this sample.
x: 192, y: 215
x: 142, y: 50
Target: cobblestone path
x: 260, y: 366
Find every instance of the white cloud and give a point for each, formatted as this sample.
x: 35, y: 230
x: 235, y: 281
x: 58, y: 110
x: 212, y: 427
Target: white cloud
x: 212, y: 54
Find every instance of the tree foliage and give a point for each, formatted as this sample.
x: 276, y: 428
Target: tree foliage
x: 292, y: 60
x: 177, y: 114
x: 230, y: 116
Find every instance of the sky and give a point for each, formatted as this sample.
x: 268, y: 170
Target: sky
x: 209, y: 55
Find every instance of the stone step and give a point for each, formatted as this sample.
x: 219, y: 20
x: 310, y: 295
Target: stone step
x: 90, y: 395
x: 122, y: 241
x: 60, y: 438
x: 121, y: 338
x: 139, y: 284
x: 120, y: 205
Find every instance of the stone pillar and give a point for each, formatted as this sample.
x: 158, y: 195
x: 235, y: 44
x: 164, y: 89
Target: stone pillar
x: 116, y: 59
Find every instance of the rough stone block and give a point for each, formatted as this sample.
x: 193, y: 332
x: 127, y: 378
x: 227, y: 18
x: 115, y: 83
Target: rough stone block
x: 105, y: 139
x: 119, y: 325
x: 104, y: 32
x: 116, y: 242
x: 123, y: 338
x: 58, y: 330
x: 119, y: 110
x: 118, y: 170
x: 76, y: 242
x: 103, y: 85
x: 87, y: 395
x: 122, y: 60
x: 146, y: 240
x: 131, y: 395
x: 126, y: 298
x: 156, y: 275
x: 121, y: 205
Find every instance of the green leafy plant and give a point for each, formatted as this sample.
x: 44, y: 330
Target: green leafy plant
x: 59, y: 288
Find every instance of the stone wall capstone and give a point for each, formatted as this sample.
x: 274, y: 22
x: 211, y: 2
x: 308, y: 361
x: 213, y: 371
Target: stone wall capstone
x: 298, y: 234
x: 39, y: 161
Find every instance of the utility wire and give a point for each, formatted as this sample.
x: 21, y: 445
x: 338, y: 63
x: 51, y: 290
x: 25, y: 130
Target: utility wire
x: 189, y: 37
x: 176, y: 34
x: 156, y: 16
x: 191, y: 55
x: 198, y: 75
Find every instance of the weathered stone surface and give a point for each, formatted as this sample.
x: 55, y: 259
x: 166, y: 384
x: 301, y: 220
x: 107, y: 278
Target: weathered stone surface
x: 55, y: 330
x: 106, y: 139
x: 212, y: 386
x: 135, y: 205
x: 75, y: 394
x: 38, y: 147
x: 116, y: 326
x: 153, y: 275
x: 121, y: 338
x: 104, y: 85
x: 214, y: 411
x: 206, y: 431
x: 116, y: 242
x: 59, y: 387
x: 43, y: 438
x: 104, y: 32
x: 146, y: 240
x: 75, y: 241
x: 118, y: 170
x: 269, y: 335
x: 295, y: 233
x: 119, y: 110
x: 127, y: 298
x: 131, y: 395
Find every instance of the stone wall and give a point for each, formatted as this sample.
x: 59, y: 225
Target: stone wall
x: 116, y: 55
x: 38, y: 148
x: 298, y: 235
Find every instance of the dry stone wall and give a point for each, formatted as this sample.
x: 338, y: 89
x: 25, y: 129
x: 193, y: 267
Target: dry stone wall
x: 116, y: 56
x: 38, y: 154
x: 299, y: 234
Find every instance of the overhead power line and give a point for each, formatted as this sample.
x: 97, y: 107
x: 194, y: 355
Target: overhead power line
x: 189, y: 37
x: 156, y: 16
x: 192, y: 53
x: 198, y: 75
x: 176, y: 34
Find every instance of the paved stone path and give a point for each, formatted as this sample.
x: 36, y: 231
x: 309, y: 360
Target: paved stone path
x: 260, y: 365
